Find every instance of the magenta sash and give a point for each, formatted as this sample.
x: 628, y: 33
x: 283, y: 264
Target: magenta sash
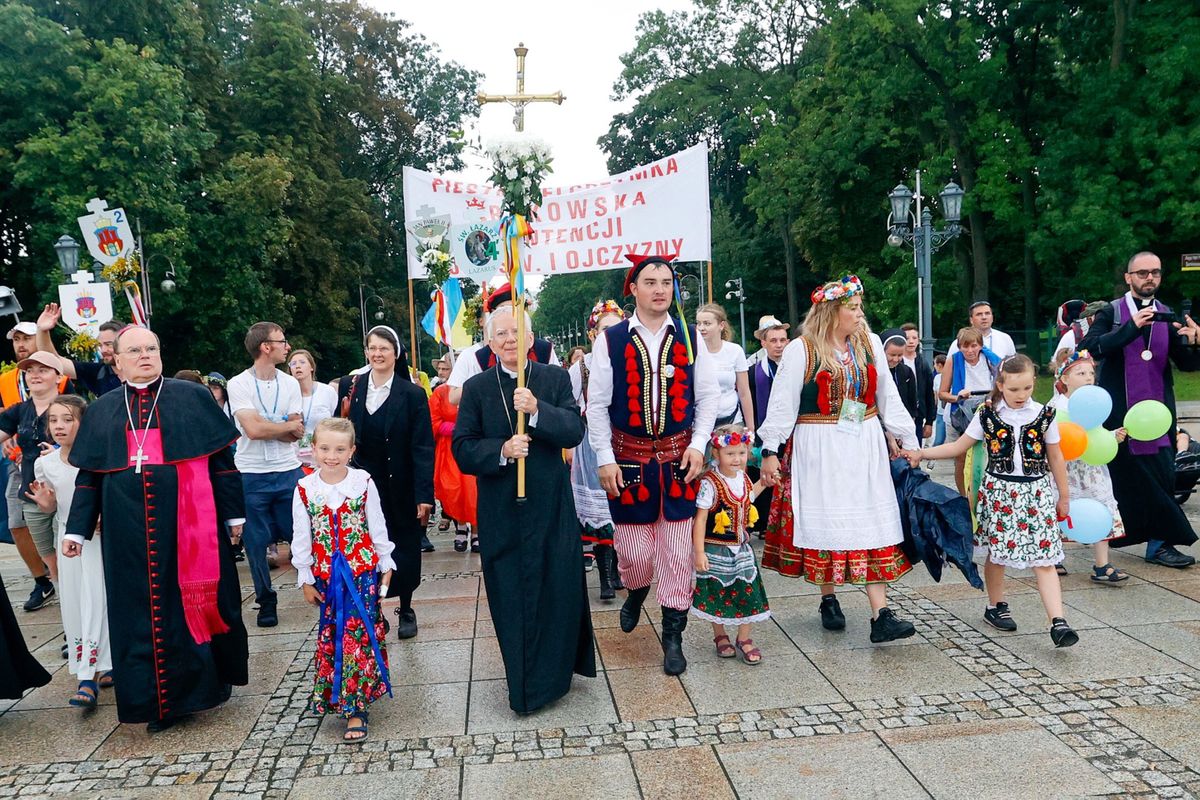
x: 1144, y: 379
x: 196, y: 519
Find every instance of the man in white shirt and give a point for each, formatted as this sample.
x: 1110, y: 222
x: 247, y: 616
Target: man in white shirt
x: 981, y: 317
x: 651, y: 404
x: 266, y: 404
x: 478, y: 357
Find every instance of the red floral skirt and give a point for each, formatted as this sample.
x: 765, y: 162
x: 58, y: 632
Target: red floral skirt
x: 876, y: 565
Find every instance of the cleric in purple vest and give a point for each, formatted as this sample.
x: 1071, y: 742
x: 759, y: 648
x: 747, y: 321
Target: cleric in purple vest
x: 1135, y: 339
x: 479, y: 357
x: 651, y: 403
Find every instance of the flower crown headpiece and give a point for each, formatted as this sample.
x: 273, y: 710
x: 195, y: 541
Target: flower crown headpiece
x: 1070, y: 361
x: 731, y: 439
x: 603, y: 309
x: 847, y: 287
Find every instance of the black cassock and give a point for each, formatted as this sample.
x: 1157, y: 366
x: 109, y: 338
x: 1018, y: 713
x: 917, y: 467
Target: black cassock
x: 1143, y: 484
x: 532, y: 561
x: 160, y: 671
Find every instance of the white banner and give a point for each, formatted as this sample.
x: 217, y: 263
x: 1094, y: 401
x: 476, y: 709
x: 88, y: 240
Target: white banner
x: 85, y: 306
x: 660, y: 208
x: 106, y: 232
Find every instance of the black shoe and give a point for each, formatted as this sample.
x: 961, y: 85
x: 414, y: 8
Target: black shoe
x: 589, y: 562
x: 426, y: 545
x: 832, y: 618
x: 614, y: 573
x: 604, y: 567
x: 460, y: 543
x: 239, y: 552
x: 40, y: 597
x: 160, y: 725
x: 474, y: 544
x: 1062, y: 634
x: 631, y: 610
x: 673, y: 623
x: 406, y: 626
x: 1000, y: 617
x: 1168, y: 556
x: 887, y: 627
x: 267, y: 616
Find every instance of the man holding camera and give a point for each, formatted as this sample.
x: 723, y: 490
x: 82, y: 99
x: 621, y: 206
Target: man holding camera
x: 1134, y: 339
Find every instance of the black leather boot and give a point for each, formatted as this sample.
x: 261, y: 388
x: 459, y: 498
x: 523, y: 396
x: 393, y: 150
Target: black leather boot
x: 632, y: 609
x: 613, y: 572
x: 604, y: 567
x: 673, y: 623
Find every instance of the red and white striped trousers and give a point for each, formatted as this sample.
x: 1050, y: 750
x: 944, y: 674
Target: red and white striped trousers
x: 663, y: 546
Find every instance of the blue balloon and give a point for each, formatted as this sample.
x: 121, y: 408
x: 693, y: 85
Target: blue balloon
x: 1090, y: 521
x: 1089, y: 406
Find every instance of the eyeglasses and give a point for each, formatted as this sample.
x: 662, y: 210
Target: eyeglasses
x: 150, y: 350
x: 1142, y: 274
x: 276, y: 341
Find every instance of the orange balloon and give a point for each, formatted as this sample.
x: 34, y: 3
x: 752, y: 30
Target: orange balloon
x: 1073, y: 440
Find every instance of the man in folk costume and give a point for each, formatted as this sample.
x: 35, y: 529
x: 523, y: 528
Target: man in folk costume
x: 532, y: 562
x: 652, y: 402
x: 478, y: 357
x: 157, y: 470
x: 1135, y: 339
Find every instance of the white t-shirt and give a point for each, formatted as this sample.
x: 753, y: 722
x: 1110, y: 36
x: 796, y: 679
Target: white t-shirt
x: 1017, y: 418
x: 727, y: 363
x: 466, y: 365
x: 274, y: 400
x: 321, y: 404
x: 998, y: 342
x: 706, y: 496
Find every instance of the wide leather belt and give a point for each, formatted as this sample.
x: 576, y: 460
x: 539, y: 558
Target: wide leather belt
x: 643, y: 451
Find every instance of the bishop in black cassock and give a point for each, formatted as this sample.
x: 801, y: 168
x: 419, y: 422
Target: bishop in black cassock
x: 532, y: 562
x: 162, y: 489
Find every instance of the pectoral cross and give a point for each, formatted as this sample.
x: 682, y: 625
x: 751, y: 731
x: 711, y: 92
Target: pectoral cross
x: 520, y: 99
x: 138, y: 459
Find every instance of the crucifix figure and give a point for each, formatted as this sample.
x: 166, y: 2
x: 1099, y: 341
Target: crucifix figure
x: 520, y: 99
x: 138, y: 459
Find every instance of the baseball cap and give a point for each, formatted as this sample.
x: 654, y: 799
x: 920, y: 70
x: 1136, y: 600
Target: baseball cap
x: 27, y: 328
x: 41, y: 357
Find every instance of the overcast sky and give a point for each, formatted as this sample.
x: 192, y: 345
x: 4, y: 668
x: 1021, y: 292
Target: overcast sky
x: 574, y: 48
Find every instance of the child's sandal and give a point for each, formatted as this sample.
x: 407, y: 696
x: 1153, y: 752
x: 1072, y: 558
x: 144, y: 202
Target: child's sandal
x: 753, y: 656
x: 356, y: 733
x: 726, y: 650
x: 1108, y: 574
x: 1061, y: 569
x: 85, y: 695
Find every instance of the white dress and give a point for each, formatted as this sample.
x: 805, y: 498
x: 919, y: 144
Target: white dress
x: 842, y: 492
x: 591, y: 501
x: 82, y: 600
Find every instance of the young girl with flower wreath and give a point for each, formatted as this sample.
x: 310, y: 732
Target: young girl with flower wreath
x: 340, y: 548
x: 729, y: 590
x: 1017, y: 511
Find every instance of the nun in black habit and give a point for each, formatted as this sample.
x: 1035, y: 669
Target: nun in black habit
x: 532, y: 562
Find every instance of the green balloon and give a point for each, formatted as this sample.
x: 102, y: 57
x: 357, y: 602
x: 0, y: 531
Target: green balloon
x: 1061, y: 415
x: 1148, y: 420
x: 1101, y: 447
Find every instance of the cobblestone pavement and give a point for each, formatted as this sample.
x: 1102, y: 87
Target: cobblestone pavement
x: 959, y: 708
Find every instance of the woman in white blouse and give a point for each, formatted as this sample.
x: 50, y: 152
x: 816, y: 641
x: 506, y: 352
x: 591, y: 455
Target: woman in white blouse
x: 732, y: 370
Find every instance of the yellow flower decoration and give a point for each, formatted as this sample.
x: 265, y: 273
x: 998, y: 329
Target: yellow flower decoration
x: 753, y: 517
x: 721, y: 522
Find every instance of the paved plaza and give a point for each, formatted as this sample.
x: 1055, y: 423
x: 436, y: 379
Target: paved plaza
x: 958, y: 710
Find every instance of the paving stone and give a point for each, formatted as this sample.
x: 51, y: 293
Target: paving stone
x: 646, y: 693
x: 755, y: 687
x: 588, y: 702
x: 863, y: 674
x: 1174, y: 729
x: 1100, y: 653
x: 589, y: 778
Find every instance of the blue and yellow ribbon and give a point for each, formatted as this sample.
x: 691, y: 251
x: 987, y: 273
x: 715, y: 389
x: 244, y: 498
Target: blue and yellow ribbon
x: 687, y: 336
x: 514, y: 228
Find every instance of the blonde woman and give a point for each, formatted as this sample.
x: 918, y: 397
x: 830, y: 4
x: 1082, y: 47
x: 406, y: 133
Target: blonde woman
x: 732, y: 369
x: 835, y: 519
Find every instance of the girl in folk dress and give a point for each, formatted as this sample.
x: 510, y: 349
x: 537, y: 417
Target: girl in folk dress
x: 1086, y: 480
x: 339, y: 546
x: 1016, y: 506
x: 729, y: 590
x: 81, y: 580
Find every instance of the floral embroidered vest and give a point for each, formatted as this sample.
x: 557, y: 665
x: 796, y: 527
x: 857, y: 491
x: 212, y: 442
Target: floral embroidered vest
x: 1002, y: 441
x: 729, y: 517
x: 353, y: 538
x: 634, y: 385
x: 823, y: 392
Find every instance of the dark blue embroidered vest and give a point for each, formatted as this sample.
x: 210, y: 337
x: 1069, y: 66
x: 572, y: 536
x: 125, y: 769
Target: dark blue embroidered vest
x: 540, y: 352
x: 655, y: 489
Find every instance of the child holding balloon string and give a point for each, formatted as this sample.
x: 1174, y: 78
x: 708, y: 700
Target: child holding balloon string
x: 1087, y: 475
x: 1016, y: 507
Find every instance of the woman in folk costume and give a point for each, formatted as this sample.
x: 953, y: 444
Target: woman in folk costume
x: 835, y: 519
x: 455, y: 490
x: 340, y: 549
x: 591, y: 501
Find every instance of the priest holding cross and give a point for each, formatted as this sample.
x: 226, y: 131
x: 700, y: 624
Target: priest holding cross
x: 156, y: 470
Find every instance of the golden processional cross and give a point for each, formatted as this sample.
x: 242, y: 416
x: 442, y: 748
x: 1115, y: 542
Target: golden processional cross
x: 519, y: 100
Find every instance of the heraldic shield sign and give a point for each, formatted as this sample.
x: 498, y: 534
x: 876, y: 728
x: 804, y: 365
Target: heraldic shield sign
x: 106, y: 231
x: 85, y: 306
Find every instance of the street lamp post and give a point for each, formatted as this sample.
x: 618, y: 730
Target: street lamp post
x: 364, y: 298
x: 916, y: 229
x: 739, y: 295
x: 689, y: 287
